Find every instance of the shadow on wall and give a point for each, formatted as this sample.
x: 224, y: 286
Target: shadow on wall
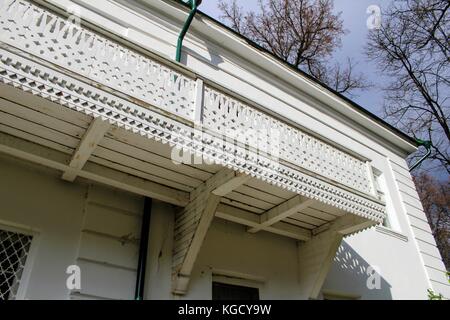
x: 351, y: 274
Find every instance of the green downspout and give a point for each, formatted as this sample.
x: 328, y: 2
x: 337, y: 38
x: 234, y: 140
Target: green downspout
x: 427, y: 145
x: 194, y: 5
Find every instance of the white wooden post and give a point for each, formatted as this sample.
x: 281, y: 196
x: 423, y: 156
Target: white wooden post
x: 371, y: 178
x: 94, y: 134
x: 199, y: 96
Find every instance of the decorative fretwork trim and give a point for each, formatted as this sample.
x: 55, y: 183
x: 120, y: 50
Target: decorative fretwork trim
x: 57, y: 40
x: 80, y: 96
x: 253, y: 127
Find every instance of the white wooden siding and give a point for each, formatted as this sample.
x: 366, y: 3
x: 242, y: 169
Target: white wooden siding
x: 108, y: 252
x: 420, y: 228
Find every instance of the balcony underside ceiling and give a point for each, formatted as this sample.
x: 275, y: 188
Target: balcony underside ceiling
x: 42, y: 53
x: 37, y: 120
x: 93, y: 109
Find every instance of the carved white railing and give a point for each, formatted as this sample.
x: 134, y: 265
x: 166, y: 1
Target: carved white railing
x: 153, y: 97
x: 61, y: 42
x: 253, y: 127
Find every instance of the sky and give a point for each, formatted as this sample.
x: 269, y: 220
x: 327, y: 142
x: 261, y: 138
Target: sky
x: 354, y: 14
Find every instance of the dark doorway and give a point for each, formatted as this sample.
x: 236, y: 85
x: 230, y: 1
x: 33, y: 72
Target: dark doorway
x: 223, y: 291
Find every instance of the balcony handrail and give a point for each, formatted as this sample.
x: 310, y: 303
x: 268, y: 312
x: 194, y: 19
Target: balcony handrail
x: 176, y: 93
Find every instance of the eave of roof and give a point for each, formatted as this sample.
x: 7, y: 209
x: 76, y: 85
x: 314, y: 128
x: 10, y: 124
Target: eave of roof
x: 408, y: 139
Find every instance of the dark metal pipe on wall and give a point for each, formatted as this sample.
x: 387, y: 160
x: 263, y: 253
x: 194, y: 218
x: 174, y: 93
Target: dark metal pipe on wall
x: 143, y: 249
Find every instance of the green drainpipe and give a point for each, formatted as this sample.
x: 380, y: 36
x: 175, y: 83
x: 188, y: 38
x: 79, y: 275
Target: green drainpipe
x: 427, y: 145
x: 194, y: 5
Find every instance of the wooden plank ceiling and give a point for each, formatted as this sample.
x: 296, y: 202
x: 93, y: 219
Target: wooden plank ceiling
x: 48, y: 124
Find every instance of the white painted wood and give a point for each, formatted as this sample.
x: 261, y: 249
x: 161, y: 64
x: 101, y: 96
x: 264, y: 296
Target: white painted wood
x: 241, y: 70
x: 88, y: 143
x: 428, y: 252
x: 242, y: 205
x: 137, y: 173
x: 193, y: 222
x: 249, y: 200
x: 39, y: 130
x: 104, y: 281
x: 316, y: 256
x: 259, y: 194
x: 40, y: 118
x: 180, y: 287
x: 49, y: 108
x: 114, y: 251
x: 148, y: 168
x: 149, y: 155
x: 115, y: 200
x: 158, y: 148
x: 320, y: 214
x: 252, y: 220
x: 274, y: 190
x: 371, y: 179
x: 282, y: 211
x: 35, y: 139
x: 345, y: 176
x: 299, y: 223
x: 49, y: 158
x: 199, y: 96
x: 309, y: 218
x: 230, y: 185
x: 112, y: 222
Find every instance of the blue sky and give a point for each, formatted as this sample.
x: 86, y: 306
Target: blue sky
x: 355, y: 19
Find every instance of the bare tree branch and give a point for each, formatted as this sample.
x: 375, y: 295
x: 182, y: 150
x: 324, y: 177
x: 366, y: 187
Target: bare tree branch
x: 412, y: 48
x: 304, y: 33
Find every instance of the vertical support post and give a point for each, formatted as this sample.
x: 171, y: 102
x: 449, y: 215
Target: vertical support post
x: 199, y: 96
x: 371, y: 179
x: 143, y: 248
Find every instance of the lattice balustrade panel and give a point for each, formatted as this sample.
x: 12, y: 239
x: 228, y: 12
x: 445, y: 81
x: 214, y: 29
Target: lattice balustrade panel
x: 14, y: 248
x: 61, y: 42
x: 31, y: 29
x: 249, y: 126
x: 42, y: 81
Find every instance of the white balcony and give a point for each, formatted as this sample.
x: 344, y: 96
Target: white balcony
x: 99, y: 109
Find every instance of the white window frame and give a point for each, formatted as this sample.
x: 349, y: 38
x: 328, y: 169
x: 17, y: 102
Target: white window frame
x: 392, y: 222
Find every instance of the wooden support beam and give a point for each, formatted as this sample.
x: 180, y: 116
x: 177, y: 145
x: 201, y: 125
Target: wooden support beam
x: 316, y: 256
x: 47, y: 157
x: 282, y: 211
x: 192, y: 223
x: 232, y: 184
x: 94, y: 134
x: 252, y: 220
x: 345, y: 225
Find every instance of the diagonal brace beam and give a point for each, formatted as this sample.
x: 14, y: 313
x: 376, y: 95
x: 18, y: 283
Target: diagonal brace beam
x: 316, y: 256
x: 282, y: 211
x: 252, y: 220
x: 94, y: 134
x: 193, y: 221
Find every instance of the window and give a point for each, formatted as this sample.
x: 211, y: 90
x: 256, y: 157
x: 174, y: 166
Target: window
x: 222, y: 291
x: 14, y: 249
x: 380, y: 188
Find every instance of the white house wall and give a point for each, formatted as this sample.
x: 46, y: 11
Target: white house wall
x: 156, y: 26
x: 95, y: 227
x: 420, y: 229
x: 75, y: 224
x: 398, y: 260
x: 53, y: 210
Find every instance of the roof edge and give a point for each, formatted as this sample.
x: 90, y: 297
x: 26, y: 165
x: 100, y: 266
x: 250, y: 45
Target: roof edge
x: 363, y: 111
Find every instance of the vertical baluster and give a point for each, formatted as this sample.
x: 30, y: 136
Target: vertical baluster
x: 198, y: 101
